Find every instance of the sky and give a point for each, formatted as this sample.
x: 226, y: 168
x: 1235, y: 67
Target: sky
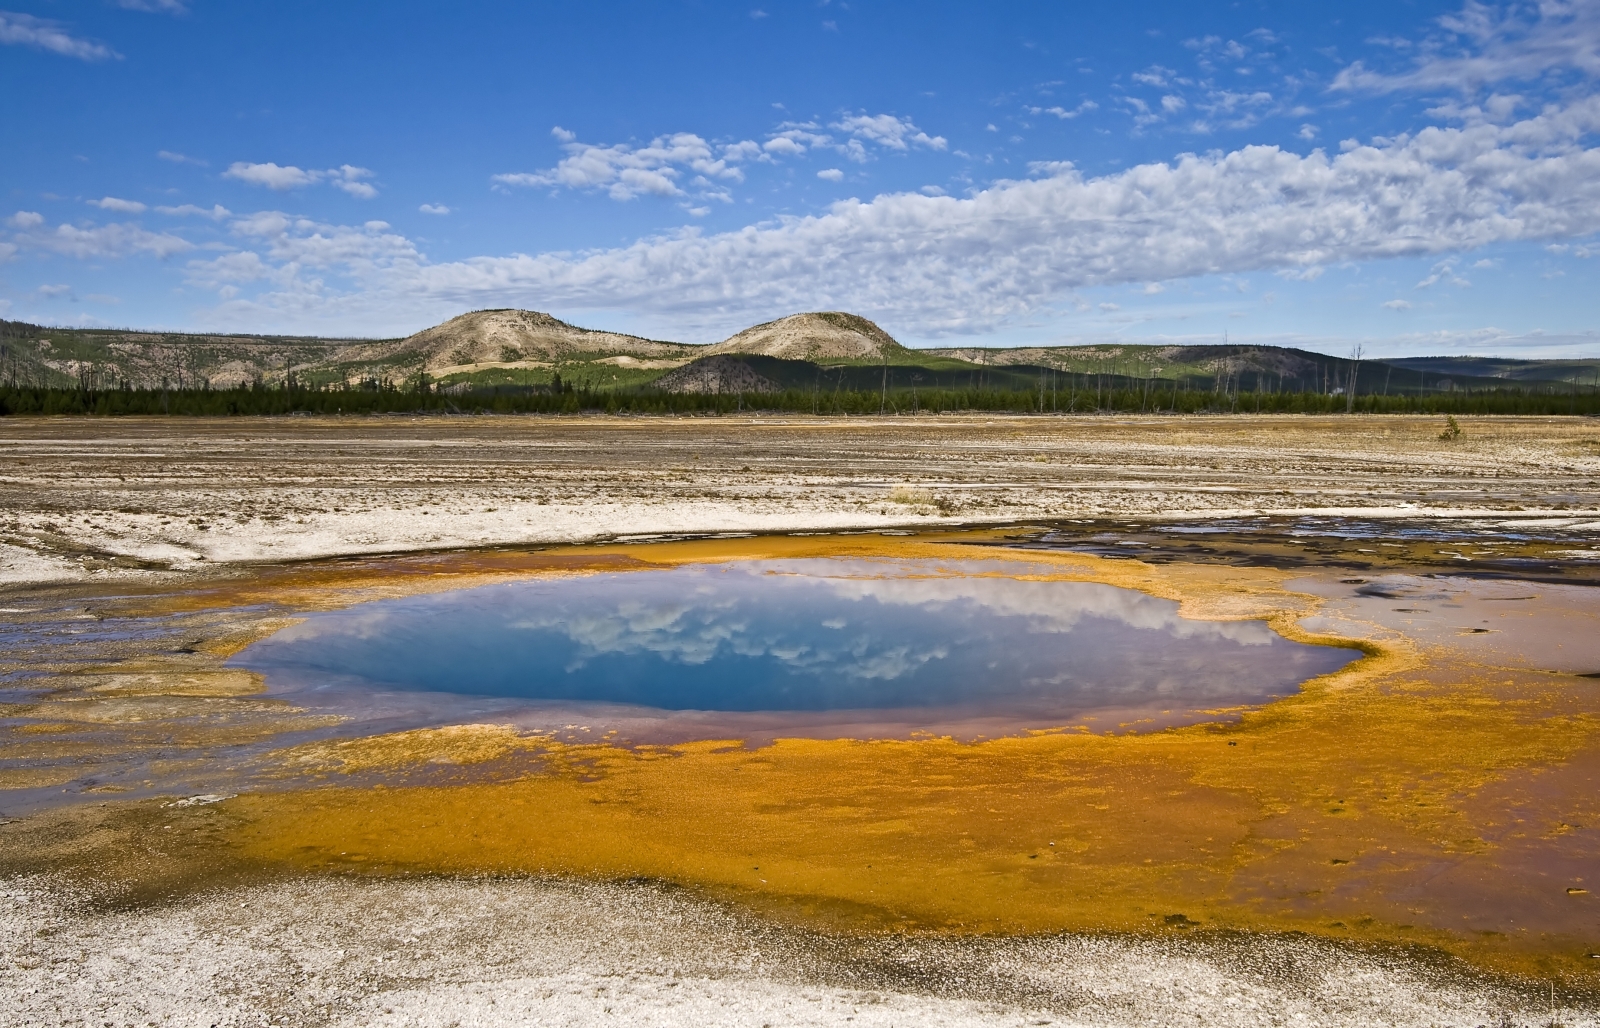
x: 1410, y: 178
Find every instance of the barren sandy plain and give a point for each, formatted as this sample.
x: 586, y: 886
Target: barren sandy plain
x: 81, y: 498
x: 1411, y: 841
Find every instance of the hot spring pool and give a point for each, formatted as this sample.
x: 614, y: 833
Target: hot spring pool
x: 903, y: 643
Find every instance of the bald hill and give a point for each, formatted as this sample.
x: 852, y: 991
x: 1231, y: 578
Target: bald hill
x: 826, y: 355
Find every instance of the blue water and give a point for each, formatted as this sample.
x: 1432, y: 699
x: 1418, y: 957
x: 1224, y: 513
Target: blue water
x: 807, y: 635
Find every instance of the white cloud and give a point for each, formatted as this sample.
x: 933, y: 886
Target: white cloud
x: 270, y: 175
x: 1396, y: 305
x: 111, y: 203
x: 178, y: 158
x: 216, y: 212
x: 627, y: 172
x: 1444, y: 271
x: 347, y: 177
x: 784, y: 145
x: 887, y: 130
x: 1062, y: 112
x: 434, y: 208
x: 1506, y: 44
x: 51, y: 292
x: 941, y: 264
x: 41, y: 34
x: 25, y: 219
x: 944, y: 265
x: 92, y: 241
x: 831, y: 174
x: 1307, y: 132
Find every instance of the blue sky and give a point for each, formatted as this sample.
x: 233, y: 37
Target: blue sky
x: 1411, y: 177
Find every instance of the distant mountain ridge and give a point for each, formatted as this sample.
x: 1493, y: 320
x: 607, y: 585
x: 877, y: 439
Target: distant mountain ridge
x: 520, y: 349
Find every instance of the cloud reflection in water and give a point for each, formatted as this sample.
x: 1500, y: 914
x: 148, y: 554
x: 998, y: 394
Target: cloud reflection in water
x: 799, y: 635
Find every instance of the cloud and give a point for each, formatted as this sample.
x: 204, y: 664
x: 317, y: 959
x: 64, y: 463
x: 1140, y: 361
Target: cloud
x: 91, y: 241
x: 154, y: 6
x: 831, y: 174
x: 111, y: 203
x: 347, y: 177
x: 434, y: 208
x: 51, y: 292
x: 1396, y: 305
x: 887, y: 130
x: 1518, y: 42
x: 178, y: 158
x: 270, y: 175
x: 627, y: 172
x: 216, y: 212
x: 946, y: 265
x: 26, y: 30
x: 1444, y: 271
x: 1062, y: 112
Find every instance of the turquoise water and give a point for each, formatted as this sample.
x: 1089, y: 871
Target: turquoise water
x: 793, y: 636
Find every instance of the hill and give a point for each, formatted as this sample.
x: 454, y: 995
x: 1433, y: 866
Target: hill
x: 818, y: 336
x: 809, y: 352
x: 501, y: 337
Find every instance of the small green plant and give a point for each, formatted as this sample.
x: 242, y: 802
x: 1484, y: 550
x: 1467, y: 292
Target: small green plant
x: 1452, y: 430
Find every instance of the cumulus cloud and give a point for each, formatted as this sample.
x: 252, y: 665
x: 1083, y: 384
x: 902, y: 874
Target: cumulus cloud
x: 41, y: 34
x: 294, y: 254
x: 270, y: 175
x: 216, y: 212
x: 1063, y: 113
x: 92, y: 241
x: 111, y: 203
x: 178, y: 158
x: 347, y: 177
x: 887, y: 130
x: 1517, y: 42
x: 350, y: 179
x: 1396, y: 305
x: 831, y: 174
x: 944, y: 264
x: 434, y: 208
x: 627, y: 172
x: 934, y: 265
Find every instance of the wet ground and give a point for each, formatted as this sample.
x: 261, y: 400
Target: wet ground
x: 1437, y: 797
